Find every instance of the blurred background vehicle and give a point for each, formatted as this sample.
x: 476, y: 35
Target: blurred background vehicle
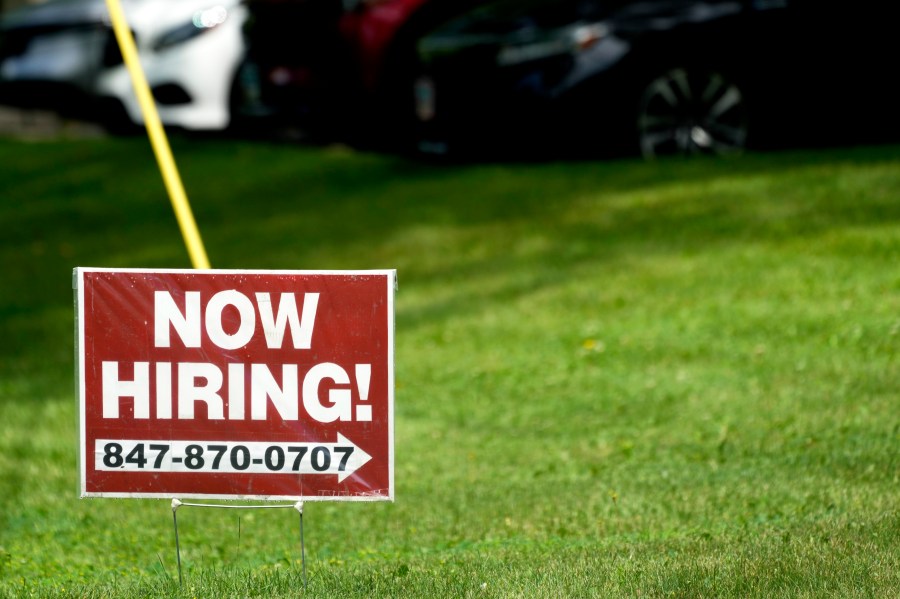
x: 656, y: 77
x: 374, y: 31
x: 597, y: 77
x: 341, y: 68
x: 50, y: 54
x: 62, y: 55
x: 297, y: 70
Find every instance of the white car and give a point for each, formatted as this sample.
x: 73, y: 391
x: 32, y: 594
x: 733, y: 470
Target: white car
x: 63, y: 54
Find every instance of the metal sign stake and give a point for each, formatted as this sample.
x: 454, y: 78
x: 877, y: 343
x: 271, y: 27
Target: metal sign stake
x: 176, y: 503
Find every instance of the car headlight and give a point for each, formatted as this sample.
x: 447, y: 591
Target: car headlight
x: 566, y: 40
x: 202, y: 21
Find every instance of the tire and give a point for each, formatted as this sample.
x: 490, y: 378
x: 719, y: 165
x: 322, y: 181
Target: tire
x: 688, y: 112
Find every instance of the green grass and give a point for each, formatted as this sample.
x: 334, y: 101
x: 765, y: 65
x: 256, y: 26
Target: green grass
x: 613, y: 379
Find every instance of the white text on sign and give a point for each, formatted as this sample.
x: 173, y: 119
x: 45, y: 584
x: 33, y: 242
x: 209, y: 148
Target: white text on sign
x: 222, y: 391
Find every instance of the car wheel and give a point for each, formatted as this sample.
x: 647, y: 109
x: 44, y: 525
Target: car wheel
x: 686, y: 112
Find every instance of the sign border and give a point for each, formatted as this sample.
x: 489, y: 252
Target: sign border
x: 78, y: 286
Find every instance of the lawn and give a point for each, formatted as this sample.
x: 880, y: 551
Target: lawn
x: 678, y: 378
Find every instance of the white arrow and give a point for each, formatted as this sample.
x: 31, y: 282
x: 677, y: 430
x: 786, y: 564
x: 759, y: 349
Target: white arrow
x: 342, y: 458
x: 357, y: 459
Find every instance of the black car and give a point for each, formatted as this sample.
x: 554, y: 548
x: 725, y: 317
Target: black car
x: 657, y: 77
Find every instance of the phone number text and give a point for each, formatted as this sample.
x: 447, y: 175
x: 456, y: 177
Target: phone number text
x: 225, y: 456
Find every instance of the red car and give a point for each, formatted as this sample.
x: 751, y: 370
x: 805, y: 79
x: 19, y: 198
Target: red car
x: 373, y: 31
x: 339, y: 68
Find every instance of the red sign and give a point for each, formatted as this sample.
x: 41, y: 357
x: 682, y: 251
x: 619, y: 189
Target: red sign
x: 236, y: 384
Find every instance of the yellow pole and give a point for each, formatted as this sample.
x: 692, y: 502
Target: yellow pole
x: 158, y: 138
